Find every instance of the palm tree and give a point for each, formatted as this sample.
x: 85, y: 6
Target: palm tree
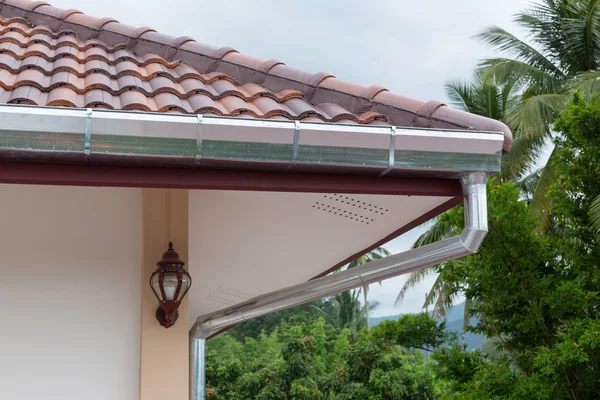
x: 346, y: 312
x: 562, y: 55
x: 374, y: 254
x: 482, y: 95
x: 595, y: 217
x: 525, y: 87
x: 440, y: 296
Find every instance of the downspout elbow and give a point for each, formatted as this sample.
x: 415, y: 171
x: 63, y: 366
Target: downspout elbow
x: 471, y: 239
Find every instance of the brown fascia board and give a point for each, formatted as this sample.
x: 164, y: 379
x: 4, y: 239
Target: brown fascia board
x: 274, y: 75
x: 30, y: 173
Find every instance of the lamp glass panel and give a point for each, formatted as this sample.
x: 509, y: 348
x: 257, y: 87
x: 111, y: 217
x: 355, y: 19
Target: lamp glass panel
x: 186, y: 282
x: 170, y: 283
x: 155, y: 285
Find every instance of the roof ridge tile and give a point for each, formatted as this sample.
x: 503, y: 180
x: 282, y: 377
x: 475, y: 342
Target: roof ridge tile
x: 35, y: 4
x: 99, y: 24
x: 423, y: 116
x: 67, y: 13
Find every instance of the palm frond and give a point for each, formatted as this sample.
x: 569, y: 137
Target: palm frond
x: 467, y: 313
x: 591, y: 30
x: 581, y: 36
x: 523, y: 157
x: 374, y: 254
x: 329, y: 318
x: 587, y: 83
x: 528, y: 184
x: 594, y: 214
x: 378, y: 253
x: 513, y: 47
x: 441, y: 229
x: 541, y: 204
x: 531, y: 117
x: 373, y: 305
x: 440, y: 296
x: 460, y: 94
x: 517, y: 73
x: 414, y: 278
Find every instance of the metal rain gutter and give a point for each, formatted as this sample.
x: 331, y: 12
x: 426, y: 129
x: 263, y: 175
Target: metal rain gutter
x: 468, y: 242
x: 53, y: 134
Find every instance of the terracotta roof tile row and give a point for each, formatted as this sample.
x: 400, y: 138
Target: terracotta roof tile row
x: 89, y: 37
x: 20, y: 31
x: 133, y: 99
x: 38, y: 66
x: 22, y: 41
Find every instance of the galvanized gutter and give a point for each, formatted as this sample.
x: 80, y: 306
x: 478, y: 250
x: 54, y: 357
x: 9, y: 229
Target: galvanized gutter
x: 468, y: 242
x: 108, y: 137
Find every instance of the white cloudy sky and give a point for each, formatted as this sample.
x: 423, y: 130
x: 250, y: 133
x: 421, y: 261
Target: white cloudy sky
x: 410, y: 47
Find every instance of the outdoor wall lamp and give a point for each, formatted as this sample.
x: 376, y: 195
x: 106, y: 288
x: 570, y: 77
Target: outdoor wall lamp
x: 170, y: 283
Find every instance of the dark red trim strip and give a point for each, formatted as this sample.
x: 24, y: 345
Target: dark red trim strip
x: 145, y: 177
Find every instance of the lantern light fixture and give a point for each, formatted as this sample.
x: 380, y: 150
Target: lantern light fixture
x: 170, y: 283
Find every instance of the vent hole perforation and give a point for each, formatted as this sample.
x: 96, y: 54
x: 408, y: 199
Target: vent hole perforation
x: 348, y: 207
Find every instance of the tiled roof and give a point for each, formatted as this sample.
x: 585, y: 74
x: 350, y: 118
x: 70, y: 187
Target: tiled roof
x: 42, y: 67
x: 50, y: 56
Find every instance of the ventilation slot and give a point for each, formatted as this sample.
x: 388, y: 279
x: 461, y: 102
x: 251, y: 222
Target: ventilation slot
x: 350, y: 208
x: 226, y: 296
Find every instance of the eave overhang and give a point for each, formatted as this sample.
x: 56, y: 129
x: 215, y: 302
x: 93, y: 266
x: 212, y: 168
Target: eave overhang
x: 260, y: 181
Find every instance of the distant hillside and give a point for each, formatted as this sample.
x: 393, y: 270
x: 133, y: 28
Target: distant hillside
x: 454, y: 323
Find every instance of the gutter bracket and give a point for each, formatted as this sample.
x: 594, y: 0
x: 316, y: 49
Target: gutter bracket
x: 392, y: 152
x: 87, y: 146
x: 295, y: 145
x: 198, y: 156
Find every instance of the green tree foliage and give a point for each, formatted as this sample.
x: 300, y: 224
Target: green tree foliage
x: 525, y: 86
x: 312, y: 360
x: 268, y: 323
x: 344, y: 311
x: 538, y: 294
x: 414, y: 331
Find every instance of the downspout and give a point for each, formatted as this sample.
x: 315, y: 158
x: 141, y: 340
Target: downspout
x: 468, y: 242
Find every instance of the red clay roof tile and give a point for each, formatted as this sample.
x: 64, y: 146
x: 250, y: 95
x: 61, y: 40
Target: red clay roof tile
x: 50, y: 56
x: 41, y: 67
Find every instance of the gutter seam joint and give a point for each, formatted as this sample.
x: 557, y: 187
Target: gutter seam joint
x: 87, y: 146
x: 198, y: 156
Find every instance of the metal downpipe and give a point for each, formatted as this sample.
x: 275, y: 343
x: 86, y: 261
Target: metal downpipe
x: 197, y: 368
x: 468, y: 242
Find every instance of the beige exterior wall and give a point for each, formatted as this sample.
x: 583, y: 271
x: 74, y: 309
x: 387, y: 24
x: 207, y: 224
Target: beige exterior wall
x: 164, y: 368
x: 70, y: 291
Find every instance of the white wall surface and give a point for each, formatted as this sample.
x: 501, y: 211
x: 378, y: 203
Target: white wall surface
x: 70, y: 265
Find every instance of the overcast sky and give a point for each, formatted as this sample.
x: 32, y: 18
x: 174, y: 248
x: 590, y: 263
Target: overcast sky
x: 409, y: 47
